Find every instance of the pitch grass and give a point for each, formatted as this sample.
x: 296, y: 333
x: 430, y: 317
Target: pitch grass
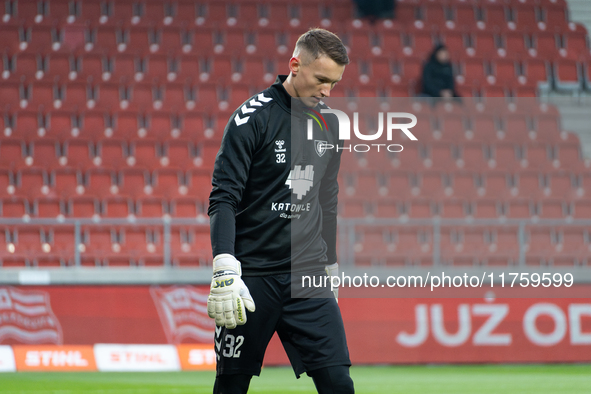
x: 452, y: 379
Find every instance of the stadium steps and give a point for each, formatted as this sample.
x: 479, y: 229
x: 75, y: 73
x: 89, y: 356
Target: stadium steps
x: 580, y: 11
x: 575, y: 116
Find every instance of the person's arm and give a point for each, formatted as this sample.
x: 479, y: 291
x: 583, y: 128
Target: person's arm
x: 229, y: 297
x: 328, y: 196
x: 329, y: 190
x: 230, y: 173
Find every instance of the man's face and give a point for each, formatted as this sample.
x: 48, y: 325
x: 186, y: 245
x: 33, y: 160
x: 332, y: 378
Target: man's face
x: 443, y: 56
x: 314, y: 80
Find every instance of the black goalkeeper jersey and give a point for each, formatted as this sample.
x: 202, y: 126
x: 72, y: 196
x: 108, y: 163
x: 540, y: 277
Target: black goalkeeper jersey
x: 274, y: 196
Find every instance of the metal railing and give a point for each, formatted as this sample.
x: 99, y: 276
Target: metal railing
x: 350, y: 235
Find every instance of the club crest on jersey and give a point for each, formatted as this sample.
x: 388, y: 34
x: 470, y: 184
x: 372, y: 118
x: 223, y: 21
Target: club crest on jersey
x: 280, y: 147
x: 300, y: 180
x: 320, y: 147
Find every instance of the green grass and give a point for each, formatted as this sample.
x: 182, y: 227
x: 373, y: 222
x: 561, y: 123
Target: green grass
x: 485, y: 379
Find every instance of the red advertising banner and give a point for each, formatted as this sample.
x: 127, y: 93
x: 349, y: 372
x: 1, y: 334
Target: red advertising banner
x: 196, y: 357
x: 378, y: 330
x: 54, y: 358
x: 468, y: 330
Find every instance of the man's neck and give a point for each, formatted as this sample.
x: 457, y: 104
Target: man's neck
x: 288, y: 85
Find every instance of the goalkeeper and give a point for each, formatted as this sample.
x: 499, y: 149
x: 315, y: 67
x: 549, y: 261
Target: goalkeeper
x: 273, y: 217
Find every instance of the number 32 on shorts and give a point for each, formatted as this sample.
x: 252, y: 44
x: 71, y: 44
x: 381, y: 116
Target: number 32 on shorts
x: 232, y: 346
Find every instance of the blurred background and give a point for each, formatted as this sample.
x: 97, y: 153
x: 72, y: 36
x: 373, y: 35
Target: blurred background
x: 112, y: 113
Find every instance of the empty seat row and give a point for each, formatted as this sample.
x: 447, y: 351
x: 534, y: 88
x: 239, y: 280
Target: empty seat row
x: 102, y: 70
x: 64, y: 183
x: 475, y: 119
x: 185, y: 44
x: 472, y: 239
x: 95, y: 126
x: 103, y: 246
x: 137, y: 97
x: 481, y: 156
x: 443, y: 185
x: 115, y: 207
x: 479, y: 247
x: 386, y: 207
x: 138, y: 183
x: 109, y: 153
x: 491, y: 154
x: 203, y: 13
x: 541, y: 15
x: 524, y: 208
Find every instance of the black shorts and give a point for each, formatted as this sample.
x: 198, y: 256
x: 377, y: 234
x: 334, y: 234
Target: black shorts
x: 311, y: 330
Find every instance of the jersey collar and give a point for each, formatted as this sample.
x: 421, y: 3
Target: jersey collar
x: 283, y: 98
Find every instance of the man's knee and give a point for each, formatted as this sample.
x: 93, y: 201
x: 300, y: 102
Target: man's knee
x: 333, y: 380
x: 231, y: 384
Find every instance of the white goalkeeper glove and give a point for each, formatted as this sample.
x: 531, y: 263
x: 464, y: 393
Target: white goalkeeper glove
x: 333, y: 270
x: 228, y: 296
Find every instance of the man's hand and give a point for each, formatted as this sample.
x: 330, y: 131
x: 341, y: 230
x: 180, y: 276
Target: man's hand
x: 228, y: 296
x: 333, y: 270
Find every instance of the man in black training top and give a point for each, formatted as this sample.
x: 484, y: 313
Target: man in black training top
x: 273, y: 207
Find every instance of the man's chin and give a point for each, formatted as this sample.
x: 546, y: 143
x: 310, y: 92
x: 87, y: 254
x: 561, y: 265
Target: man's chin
x: 310, y: 101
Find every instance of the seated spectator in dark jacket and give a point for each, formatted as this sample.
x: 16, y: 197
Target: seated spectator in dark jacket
x: 438, y: 79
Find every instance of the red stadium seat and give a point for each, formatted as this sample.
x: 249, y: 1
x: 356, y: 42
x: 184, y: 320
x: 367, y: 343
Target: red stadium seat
x: 463, y: 185
x: 51, y: 208
x: 117, y: 207
x: 567, y: 75
x: 66, y: 182
x: 7, y: 182
x: 454, y: 209
x: 83, y: 207
x: 495, y: 185
x: 179, y: 153
x: 100, y: 182
x: 538, y: 246
x: 199, y: 182
x: 64, y: 242
x: 112, y: 154
x: 190, y: 246
x: 186, y: 207
x: 144, y: 153
x: 486, y: 209
x: 168, y: 182
x: 207, y: 151
x: 79, y: 153
x: 32, y: 182
x: 152, y: 207
x: 12, y: 153
x: 573, y: 45
x: 15, y: 207
x: 134, y: 182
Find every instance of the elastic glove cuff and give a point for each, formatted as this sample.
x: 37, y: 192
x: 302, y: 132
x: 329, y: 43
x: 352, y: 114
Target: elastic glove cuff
x: 332, y: 269
x: 226, y: 261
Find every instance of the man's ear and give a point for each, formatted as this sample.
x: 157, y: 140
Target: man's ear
x: 294, y: 65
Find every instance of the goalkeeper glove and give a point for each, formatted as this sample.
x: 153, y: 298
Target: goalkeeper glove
x: 333, y: 270
x: 228, y: 296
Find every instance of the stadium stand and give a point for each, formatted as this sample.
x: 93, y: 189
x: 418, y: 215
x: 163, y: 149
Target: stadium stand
x: 116, y: 110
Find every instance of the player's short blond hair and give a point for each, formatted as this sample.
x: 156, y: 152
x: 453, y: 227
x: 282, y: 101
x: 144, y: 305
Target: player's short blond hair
x: 320, y: 42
